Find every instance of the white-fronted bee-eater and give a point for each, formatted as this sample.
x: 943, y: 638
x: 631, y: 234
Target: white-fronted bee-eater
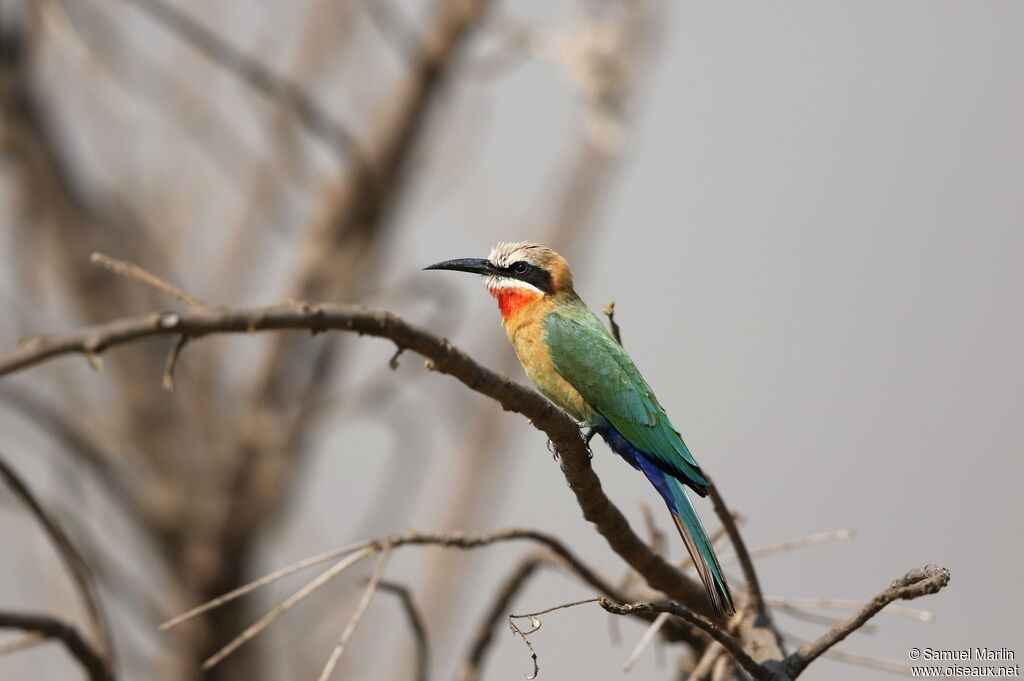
x: 573, y: 360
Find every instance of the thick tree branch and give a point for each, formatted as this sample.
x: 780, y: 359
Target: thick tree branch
x: 92, y: 662
x: 443, y: 357
x: 921, y: 581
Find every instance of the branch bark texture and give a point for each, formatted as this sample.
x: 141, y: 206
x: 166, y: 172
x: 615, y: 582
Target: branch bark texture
x: 442, y: 356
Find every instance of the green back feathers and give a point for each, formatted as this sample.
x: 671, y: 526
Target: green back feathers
x: 589, y: 358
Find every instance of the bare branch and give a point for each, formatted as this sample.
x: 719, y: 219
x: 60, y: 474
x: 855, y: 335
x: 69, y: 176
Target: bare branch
x: 123, y: 268
x: 535, y: 624
x: 121, y: 481
x: 73, y: 560
x: 416, y: 624
x: 444, y: 357
x: 167, y: 381
x: 645, y: 640
x: 257, y: 75
x: 814, y: 618
x: 263, y: 581
x: 395, y: 28
x: 286, y: 605
x: 457, y: 540
x: 706, y: 664
x: 29, y: 640
x: 858, y: 659
x: 846, y: 604
x: 742, y: 555
x: 757, y: 631
x: 756, y: 670
x: 609, y: 312
x: 357, y: 615
x: 510, y: 588
x: 94, y: 664
x: 921, y: 581
x: 793, y: 544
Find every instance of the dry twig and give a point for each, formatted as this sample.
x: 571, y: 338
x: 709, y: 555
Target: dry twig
x: 445, y: 358
x: 357, y: 615
x: 535, y: 624
x: 92, y: 661
x: 416, y: 625
x: 716, y: 632
x: 473, y: 663
x: 129, y: 270
x: 609, y: 312
x: 257, y: 75
x: 82, y: 576
x: 921, y: 581
x: 286, y: 605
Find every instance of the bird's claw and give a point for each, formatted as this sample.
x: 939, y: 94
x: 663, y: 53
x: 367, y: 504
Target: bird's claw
x: 588, y: 433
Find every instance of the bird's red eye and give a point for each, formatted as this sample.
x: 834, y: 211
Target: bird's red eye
x: 520, y: 268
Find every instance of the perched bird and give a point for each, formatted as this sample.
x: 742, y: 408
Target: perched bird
x: 572, y: 358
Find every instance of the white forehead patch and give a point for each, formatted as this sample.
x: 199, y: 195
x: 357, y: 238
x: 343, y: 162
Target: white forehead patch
x: 494, y: 283
x: 504, y: 254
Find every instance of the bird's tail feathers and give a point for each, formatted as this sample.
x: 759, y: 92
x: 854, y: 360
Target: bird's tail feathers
x: 685, y: 517
x: 700, y: 548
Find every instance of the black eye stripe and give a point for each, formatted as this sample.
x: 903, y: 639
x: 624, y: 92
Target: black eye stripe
x: 531, y: 274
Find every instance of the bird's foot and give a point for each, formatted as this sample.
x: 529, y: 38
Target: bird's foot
x: 588, y: 433
x: 553, y: 450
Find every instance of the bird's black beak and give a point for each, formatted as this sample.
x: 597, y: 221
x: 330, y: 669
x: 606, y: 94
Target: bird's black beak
x: 472, y: 265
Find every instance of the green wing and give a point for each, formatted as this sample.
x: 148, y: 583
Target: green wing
x: 587, y: 356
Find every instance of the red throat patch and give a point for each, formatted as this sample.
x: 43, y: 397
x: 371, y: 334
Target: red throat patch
x: 512, y: 299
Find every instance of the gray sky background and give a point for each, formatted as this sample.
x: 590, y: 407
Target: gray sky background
x: 815, y: 252
x: 814, y: 244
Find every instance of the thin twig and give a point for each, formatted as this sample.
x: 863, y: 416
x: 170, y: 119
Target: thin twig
x: 29, y: 640
x: 457, y: 540
x: 535, y: 623
x: 609, y: 312
x: 645, y: 640
x: 416, y: 625
x: 82, y: 576
x: 290, y: 95
x: 706, y: 663
x: 815, y: 618
x: 508, y: 591
x: 263, y: 581
x: 129, y: 270
x: 123, y: 480
x: 167, y: 382
x: 716, y: 632
x: 742, y: 555
x: 859, y: 659
x: 562, y: 430
x: 922, y: 581
x: 357, y: 615
x: 92, y: 661
x: 846, y: 604
x: 395, y: 28
x: 262, y: 623
x: 793, y: 544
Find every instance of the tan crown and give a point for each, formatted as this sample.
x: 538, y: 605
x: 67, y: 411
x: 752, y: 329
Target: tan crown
x: 506, y: 253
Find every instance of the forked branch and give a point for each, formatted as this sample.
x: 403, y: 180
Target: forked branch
x: 94, y: 665
x: 443, y: 357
